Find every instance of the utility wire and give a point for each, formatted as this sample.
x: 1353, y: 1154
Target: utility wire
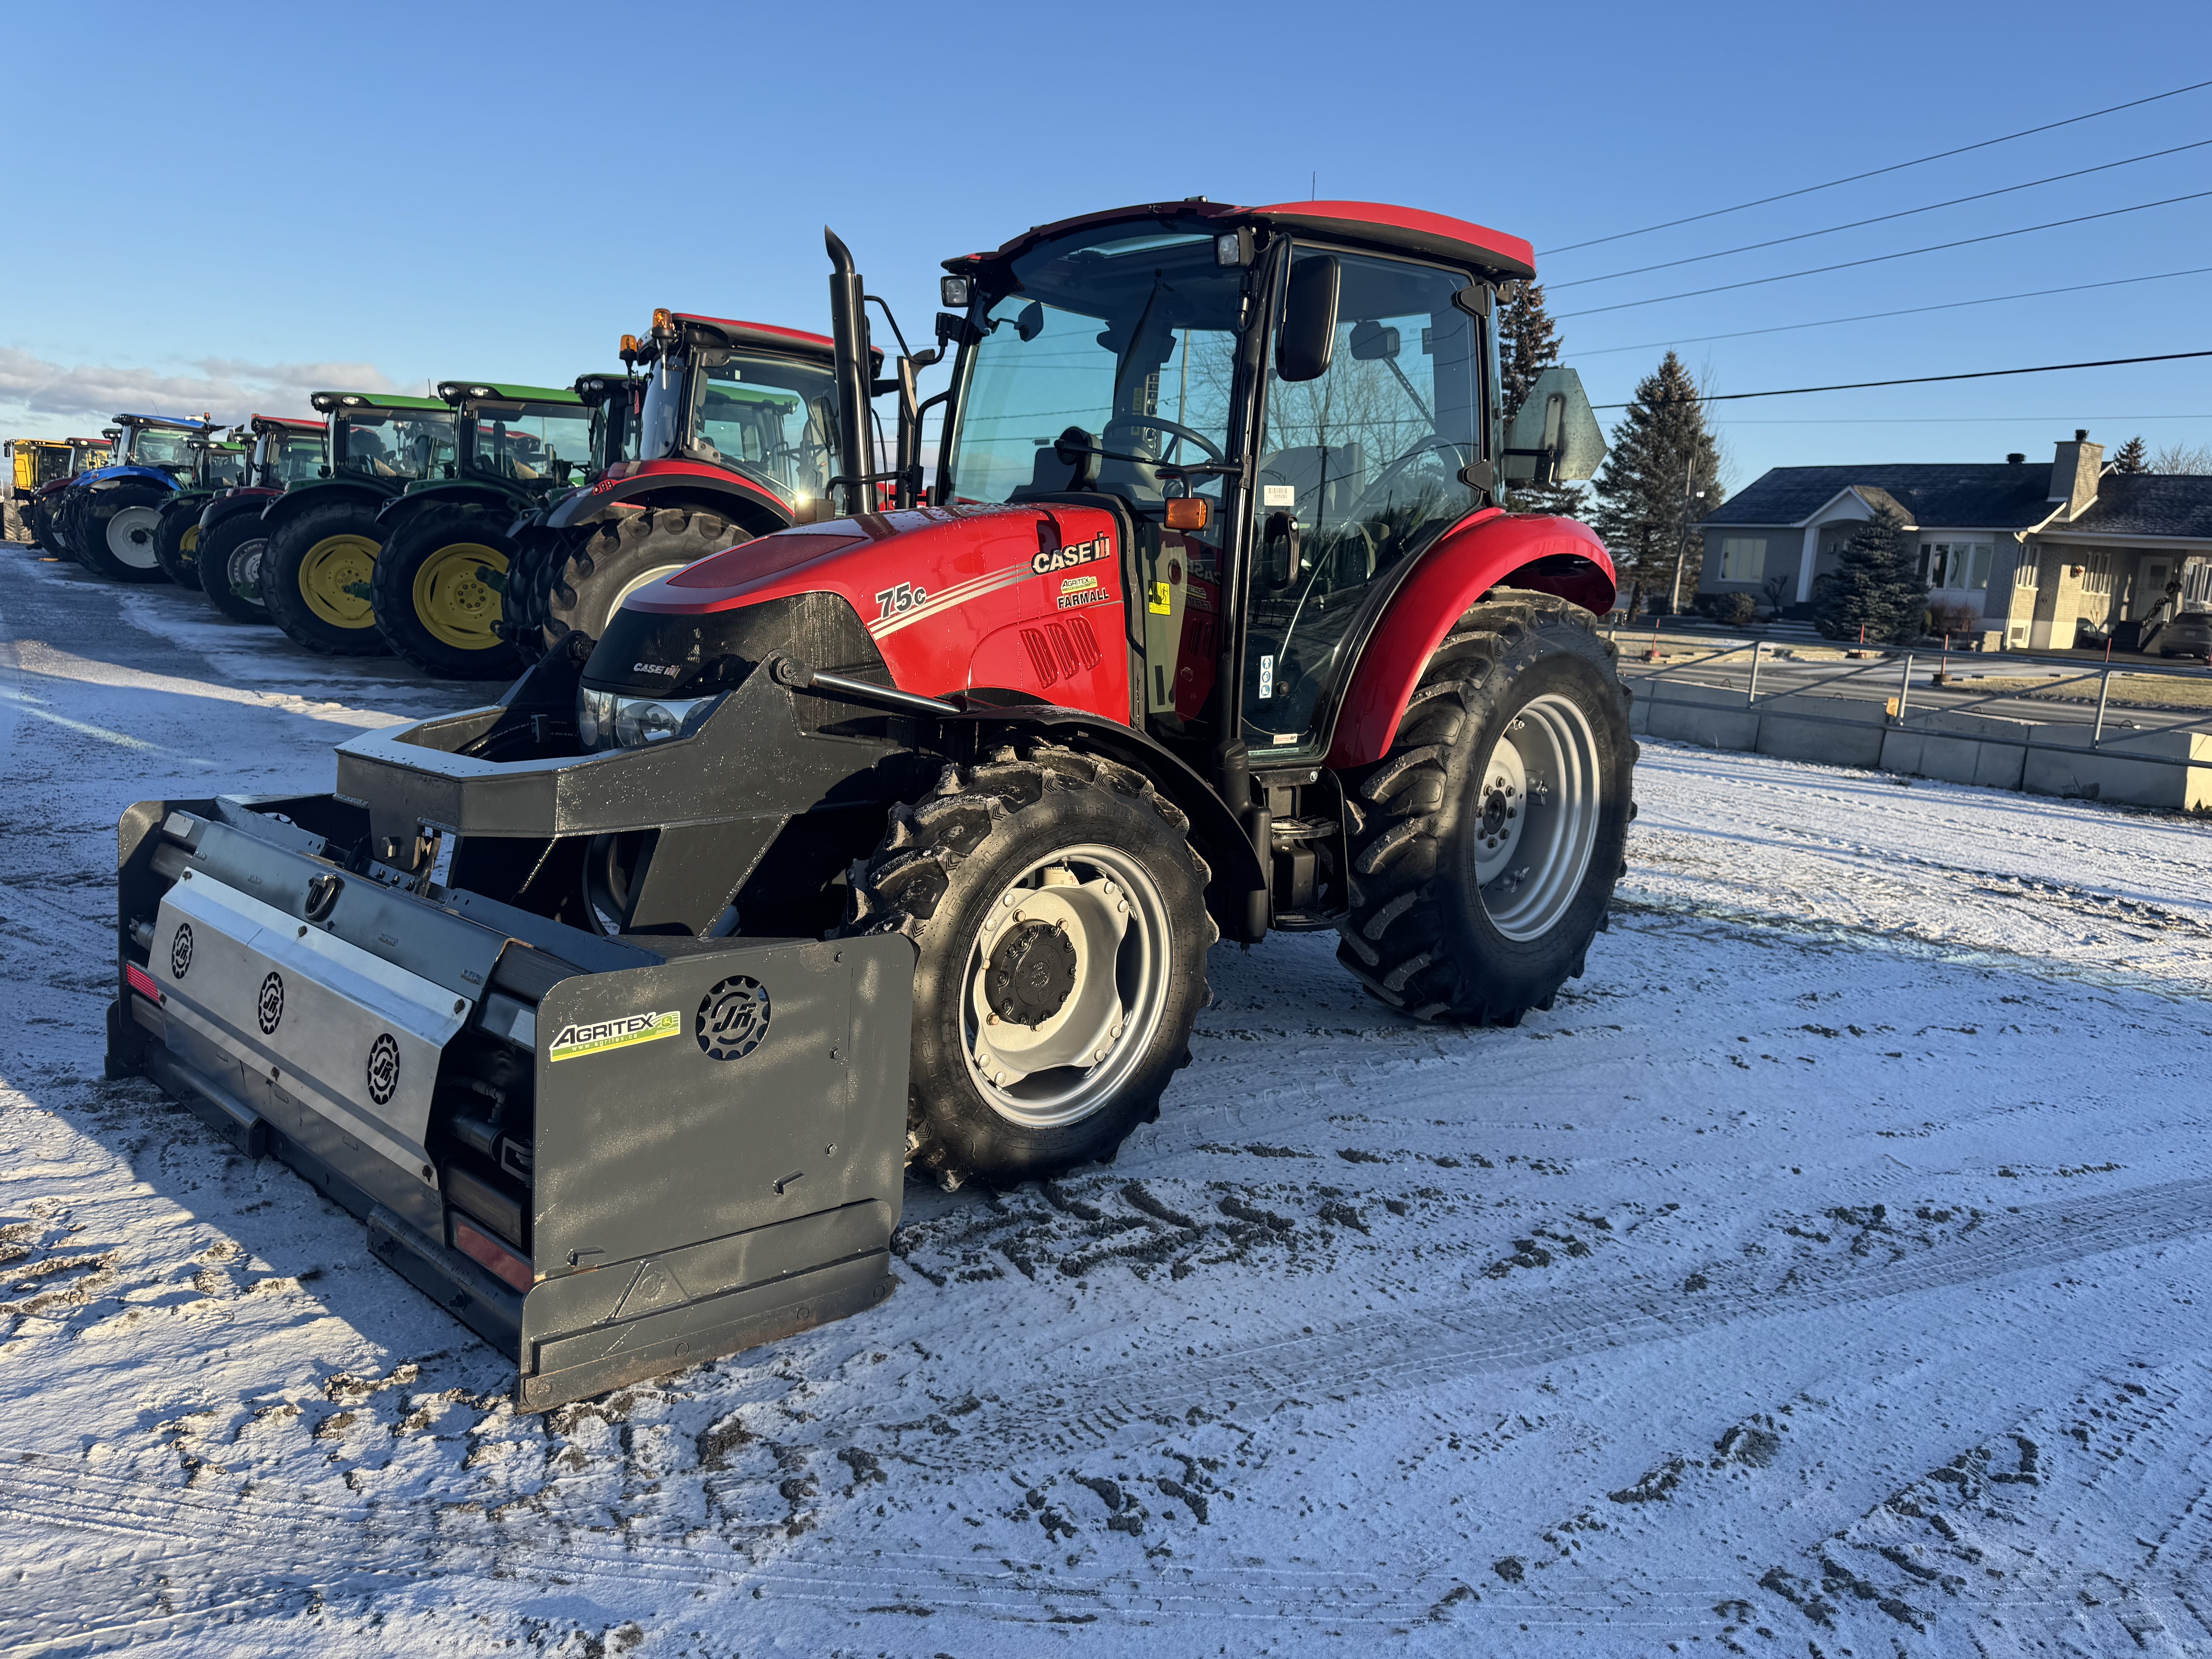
x: 1871, y: 316
x: 1877, y: 172
x: 1880, y: 218
x: 1880, y: 259
x: 1910, y: 380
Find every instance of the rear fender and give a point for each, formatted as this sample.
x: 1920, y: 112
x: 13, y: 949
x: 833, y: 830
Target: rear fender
x: 304, y: 497
x: 1214, y: 831
x: 674, y: 483
x: 458, y: 492
x: 1490, y: 549
x: 238, y: 503
x: 113, y: 478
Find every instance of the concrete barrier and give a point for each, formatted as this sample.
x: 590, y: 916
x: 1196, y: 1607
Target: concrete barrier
x: 2146, y: 768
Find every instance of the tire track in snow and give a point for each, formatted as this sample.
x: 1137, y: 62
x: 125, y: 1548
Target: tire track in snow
x: 159, y: 1534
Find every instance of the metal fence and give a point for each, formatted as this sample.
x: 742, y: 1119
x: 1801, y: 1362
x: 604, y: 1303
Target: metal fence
x: 1899, y: 714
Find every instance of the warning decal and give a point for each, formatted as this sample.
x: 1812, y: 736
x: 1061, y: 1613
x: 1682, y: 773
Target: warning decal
x: 603, y: 1035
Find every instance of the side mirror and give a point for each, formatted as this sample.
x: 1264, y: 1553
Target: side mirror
x: 1308, y: 334
x: 1030, y: 323
x: 1555, y: 437
x: 1374, y: 341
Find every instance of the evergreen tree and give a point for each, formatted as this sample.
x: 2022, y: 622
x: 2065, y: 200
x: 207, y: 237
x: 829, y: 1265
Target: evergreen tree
x: 2131, y: 457
x: 1527, y: 345
x: 1875, y: 586
x: 1660, y: 476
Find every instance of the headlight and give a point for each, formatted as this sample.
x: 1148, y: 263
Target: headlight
x: 609, y: 719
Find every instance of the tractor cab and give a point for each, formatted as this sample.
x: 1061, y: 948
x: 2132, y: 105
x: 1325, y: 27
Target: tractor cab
x: 39, y: 462
x: 524, y: 440
x: 615, y: 401
x: 158, y: 446
x: 286, y: 452
x: 386, y: 440
x: 216, y: 462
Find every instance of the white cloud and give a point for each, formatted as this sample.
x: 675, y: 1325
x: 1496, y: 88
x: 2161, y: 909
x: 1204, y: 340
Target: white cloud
x: 226, y: 387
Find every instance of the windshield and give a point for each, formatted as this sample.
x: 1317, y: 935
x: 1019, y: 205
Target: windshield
x: 1121, y: 340
x: 53, y: 463
x: 614, y: 427
x: 280, y: 458
x: 769, y: 418
x: 530, y: 443
x: 394, y: 443
x: 222, y: 466
x: 153, y: 446
x: 94, y: 456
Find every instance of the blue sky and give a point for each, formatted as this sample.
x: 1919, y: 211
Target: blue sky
x: 266, y: 198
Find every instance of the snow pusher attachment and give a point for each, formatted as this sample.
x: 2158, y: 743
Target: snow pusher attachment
x: 611, y: 1158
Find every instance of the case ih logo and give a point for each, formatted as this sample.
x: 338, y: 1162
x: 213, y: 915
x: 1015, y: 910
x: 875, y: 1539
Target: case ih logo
x: 1100, y: 546
x: 271, y: 1006
x: 180, y: 951
x: 383, y: 1069
x: 733, y: 1017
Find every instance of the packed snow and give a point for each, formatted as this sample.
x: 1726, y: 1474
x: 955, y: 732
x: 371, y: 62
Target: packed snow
x: 1819, y: 1276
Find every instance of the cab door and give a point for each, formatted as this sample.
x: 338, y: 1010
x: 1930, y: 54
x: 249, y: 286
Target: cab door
x: 1373, y: 439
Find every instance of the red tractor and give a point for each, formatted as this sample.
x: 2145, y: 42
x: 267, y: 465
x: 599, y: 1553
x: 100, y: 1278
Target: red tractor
x: 730, y: 431
x: 616, y: 1006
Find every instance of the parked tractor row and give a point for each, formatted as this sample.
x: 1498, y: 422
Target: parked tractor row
x: 467, y: 533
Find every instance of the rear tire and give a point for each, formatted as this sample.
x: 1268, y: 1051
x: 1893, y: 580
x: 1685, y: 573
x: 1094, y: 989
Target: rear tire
x: 39, y: 522
x: 1066, y: 883
x: 176, y: 543
x: 431, y: 608
x: 112, y: 532
x: 583, y: 586
x: 1484, y: 846
x: 316, y: 577
x: 229, y: 558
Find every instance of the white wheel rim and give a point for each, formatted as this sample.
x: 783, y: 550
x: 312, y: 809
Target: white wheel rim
x: 243, y: 569
x: 130, y: 533
x: 1538, y: 801
x: 1072, y: 1063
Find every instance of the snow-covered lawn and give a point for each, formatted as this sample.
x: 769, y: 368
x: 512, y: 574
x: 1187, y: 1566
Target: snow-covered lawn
x: 1819, y: 1276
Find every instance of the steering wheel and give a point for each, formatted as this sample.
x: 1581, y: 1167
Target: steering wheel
x: 1176, y: 428
x: 1380, y: 490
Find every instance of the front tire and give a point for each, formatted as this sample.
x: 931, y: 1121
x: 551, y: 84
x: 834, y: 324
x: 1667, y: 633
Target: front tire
x: 1484, y: 846
x: 316, y: 577
x: 584, y: 587
x: 176, y: 543
x: 112, y: 532
x: 431, y: 605
x: 1058, y: 912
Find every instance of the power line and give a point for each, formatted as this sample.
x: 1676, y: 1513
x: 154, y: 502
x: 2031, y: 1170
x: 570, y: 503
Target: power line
x: 1880, y: 259
x: 1915, y: 379
x: 1882, y: 218
x: 1899, y: 167
x: 1872, y: 316
x: 1958, y: 420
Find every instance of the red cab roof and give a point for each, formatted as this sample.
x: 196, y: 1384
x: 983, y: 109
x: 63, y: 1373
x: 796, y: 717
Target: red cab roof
x: 1458, y: 241
x: 763, y: 334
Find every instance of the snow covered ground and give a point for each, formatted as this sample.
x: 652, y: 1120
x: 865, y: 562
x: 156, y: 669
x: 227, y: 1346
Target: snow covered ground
x: 1819, y: 1277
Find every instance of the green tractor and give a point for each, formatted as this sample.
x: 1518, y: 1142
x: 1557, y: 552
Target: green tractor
x: 219, y: 463
x: 447, y: 543
x: 324, y: 535
x: 229, y: 537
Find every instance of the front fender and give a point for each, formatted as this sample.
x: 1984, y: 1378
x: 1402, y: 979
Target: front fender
x: 236, y: 504
x: 671, y: 483
x: 1491, y: 549
x: 112, y: 478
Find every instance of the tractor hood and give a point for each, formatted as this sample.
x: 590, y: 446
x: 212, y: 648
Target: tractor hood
x: 936, y: 600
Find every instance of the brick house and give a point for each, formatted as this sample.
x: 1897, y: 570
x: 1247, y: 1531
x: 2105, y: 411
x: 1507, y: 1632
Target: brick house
x: 2030, y: 552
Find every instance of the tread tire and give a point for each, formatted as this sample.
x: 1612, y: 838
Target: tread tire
x: 1418, y: 937
x: 88, y: 518
x: 217, y: 548
x: 180, y: 521
x: 942, y: 861
x: 392, y: 592
x: 289, y: 545
x: 581, y: 584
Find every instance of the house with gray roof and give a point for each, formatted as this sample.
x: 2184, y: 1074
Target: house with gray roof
x: 2026, y: 552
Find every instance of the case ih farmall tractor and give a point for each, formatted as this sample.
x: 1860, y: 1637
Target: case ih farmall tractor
x: 229, y: 538
x: 109, y: 515
x: 735, y: 439
x: 323, y: 535
x: 616, y: 1007
x: 219, y: 463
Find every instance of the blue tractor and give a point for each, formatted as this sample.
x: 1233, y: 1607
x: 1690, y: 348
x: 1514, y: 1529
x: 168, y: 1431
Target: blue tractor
x: 111, y: 516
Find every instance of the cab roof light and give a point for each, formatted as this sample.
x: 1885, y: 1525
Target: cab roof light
x: 664, y: 322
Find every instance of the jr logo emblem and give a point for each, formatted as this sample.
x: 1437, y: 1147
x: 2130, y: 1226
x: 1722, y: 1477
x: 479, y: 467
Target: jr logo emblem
x: 383, y: 1069
x: 270, y: 1007
x: 733, y: 1017
x: 180, y: 951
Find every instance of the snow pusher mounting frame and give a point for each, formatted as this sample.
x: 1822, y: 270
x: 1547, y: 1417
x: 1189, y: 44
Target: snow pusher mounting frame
x: 610, y: 1157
